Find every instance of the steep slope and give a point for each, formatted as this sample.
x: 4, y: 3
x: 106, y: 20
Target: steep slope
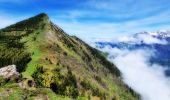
x: 55, y: 65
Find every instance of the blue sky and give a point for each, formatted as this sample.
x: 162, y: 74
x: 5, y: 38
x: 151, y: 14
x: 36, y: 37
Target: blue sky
x: 92, y: 18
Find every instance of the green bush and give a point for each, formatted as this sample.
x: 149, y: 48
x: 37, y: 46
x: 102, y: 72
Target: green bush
x: 61, y: 84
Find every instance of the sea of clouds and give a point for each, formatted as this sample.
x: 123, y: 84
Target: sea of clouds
x: 145, y: 78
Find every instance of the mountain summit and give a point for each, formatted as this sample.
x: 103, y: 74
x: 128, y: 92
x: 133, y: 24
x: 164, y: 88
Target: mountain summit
x: 54, y: 65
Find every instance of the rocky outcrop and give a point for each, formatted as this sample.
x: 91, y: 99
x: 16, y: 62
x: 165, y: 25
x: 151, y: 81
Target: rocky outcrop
x: 9, y: 72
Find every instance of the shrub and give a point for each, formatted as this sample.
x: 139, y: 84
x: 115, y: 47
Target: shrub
x: 60, y: 84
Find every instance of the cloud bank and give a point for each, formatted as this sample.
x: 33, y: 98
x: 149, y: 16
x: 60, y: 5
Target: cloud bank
x: 147, y: 79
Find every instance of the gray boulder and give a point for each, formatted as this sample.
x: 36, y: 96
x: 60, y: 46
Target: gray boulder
x: 9, y: 72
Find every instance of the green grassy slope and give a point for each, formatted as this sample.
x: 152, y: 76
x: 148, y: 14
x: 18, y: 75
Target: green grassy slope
x: 60, y: 66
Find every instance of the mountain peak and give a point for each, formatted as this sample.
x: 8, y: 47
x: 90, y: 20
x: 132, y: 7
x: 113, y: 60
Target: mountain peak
x: 42, y: 15
x: 33, y: 23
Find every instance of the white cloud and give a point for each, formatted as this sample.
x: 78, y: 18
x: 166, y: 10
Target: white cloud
x: 87, y: 30
x: 146, y: 79
x: 5, y: 22
x: 149, y: 81
x: 8, y: 19
x: 110, y: 29
x: 146, y: 38
x: 128, y: 8
x: 102, y: 29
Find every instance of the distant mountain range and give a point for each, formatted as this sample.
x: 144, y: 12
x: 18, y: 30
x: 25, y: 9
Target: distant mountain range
x: 159, y: 42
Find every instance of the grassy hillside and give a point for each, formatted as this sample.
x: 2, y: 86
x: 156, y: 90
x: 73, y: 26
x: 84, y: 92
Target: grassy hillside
x: 55, y: 65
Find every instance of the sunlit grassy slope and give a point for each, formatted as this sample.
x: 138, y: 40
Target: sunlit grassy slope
x: 61, y: 66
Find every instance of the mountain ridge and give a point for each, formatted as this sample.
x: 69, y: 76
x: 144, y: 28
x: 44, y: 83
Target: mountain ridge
x: 48, y: 57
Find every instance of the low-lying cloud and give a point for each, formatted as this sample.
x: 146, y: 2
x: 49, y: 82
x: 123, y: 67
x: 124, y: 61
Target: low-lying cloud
x: 146, y: 79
